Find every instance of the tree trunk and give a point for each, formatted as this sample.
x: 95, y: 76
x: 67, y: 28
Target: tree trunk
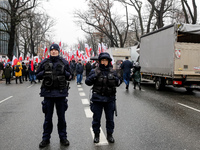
x: 11, y: 42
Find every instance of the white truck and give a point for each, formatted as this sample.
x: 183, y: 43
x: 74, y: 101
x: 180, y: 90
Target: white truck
x: 171, y: 56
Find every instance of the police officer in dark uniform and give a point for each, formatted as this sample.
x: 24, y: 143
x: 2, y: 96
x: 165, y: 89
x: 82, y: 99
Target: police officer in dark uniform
x: 104, y: 80
x: 55, y: 72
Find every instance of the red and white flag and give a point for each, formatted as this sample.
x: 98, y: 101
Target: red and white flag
x: 103, y: 47
x: 36, y: 58
x: 20, y: 57
x: 27, y: 57
x: 14, y: 61
x: 87, y: 50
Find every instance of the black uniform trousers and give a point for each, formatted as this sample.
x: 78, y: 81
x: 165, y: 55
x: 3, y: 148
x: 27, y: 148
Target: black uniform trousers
x: 97, y: 109
x: 48, y: 109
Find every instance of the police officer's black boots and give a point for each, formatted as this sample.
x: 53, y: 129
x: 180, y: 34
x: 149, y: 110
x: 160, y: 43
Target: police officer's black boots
x: 64, y: 142
x: 44, y: 143
x: 110, y: 138
x: 96, y: 137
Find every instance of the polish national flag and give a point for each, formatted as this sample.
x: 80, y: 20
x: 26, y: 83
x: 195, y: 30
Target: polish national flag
x: 7, y: 59
x: 20, y: 57
x: 104, y: 47
x: 77, y: 53
x: 36, y: 58
x: 27, y: 57
x: 99, y: 48
x: 87, y: 50
x: 45, y: 50
x: 14, y: 61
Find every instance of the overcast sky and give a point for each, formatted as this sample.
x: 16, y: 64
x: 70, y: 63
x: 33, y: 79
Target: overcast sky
x: 62, y: 11
x: 65, y: 29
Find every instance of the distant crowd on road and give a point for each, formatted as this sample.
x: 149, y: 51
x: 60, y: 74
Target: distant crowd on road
x: 26, y: 71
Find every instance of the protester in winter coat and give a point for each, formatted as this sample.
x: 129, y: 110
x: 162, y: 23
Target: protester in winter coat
x: 18, y: 72
x: 31, y: 70
x: 126, y: 67
x: 24, y: 72
x: 1, y: 70
x: 79, y: 72
x: 88, y: 68
x: 136, y: 75
x: 73, y: 68
x: 8, y: 72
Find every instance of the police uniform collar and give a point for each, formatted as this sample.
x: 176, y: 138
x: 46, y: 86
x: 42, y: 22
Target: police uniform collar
x: 54, y: 57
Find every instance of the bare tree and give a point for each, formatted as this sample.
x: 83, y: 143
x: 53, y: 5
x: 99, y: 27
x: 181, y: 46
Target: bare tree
x: 188, y: 12
x: 99, y: 18
x: 161, y: 7
x: 14, y: 12
x: 33, y: 31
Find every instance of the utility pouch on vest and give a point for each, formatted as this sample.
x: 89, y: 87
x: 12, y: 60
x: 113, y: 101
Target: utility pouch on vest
x: 48, y: 80
x: 61, y: 82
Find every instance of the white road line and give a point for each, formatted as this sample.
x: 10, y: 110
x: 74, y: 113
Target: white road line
x: 103, y: 140
x: 85, y: 101
x: 189, y: 107
x: 78, y: 85
x: 82, y: 94
x: 88, y: 112
x: 5, y: 99
x: 29, y: 86
x: 80, y: 89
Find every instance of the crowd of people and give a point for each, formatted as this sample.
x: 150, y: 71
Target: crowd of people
x: 20, y: 72
x: 56, y: 73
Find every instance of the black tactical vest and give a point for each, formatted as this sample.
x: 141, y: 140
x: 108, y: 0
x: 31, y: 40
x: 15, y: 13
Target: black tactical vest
x: 54, y: 78
x: 105, y: 85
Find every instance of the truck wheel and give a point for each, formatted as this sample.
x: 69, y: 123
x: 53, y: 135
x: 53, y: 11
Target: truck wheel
x: 159, y: 84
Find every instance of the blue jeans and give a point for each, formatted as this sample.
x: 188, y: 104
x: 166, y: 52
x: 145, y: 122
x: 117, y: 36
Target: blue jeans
x: 126, y: 77
x: 79, y: 78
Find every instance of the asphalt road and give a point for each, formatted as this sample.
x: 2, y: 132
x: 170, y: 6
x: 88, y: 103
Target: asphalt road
x: 147, y: 119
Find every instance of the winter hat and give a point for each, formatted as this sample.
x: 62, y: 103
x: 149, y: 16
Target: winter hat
x: 104, y: 55
x: 54, y: 46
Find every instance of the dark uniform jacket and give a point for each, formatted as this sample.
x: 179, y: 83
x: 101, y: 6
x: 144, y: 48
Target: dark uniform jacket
x: 95, y: 75
x: 57, y: 62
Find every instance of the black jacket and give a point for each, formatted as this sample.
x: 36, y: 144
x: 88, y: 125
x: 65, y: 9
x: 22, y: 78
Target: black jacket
x: 45, y: 92
x: 92, y: 79
x: 79, y: 68
x: 126, y: 66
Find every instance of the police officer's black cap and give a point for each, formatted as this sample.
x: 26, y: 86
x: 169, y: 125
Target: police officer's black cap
x: 104, y: 55
x: 54, y: 46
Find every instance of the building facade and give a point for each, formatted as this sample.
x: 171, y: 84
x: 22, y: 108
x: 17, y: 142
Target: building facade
x: 4, y: 36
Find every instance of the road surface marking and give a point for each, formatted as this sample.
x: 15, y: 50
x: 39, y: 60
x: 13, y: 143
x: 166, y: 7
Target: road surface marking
x: 85, y: 101
x: 88, y: 112
x: 103, y: 140
x: 5, y: 99
x: 189, y: 107
x: 82, y: 94
x: 78, y: 85
x: 80, y: 89
x: 29, y: 86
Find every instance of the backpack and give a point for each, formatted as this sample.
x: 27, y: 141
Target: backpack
x: 17, y: 68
